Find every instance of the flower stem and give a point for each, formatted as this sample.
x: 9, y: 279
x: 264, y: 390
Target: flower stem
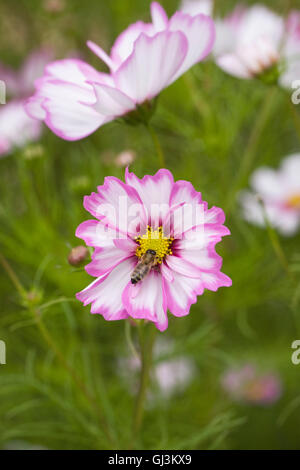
x: 35, y: 312
x: 159, y: 151
x: 146, y: 339
x: 251, y: 147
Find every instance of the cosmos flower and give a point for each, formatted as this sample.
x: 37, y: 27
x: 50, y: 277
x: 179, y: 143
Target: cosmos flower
x: 256, y: 42
x: 17, y: 128
x: 171, y: 373
x: 195, y: 7
x: 246, y: 384
x: 74, y: 99
x: 135, y: 219
x: 279, y: 191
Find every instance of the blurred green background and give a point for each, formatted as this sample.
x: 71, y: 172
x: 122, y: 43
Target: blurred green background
x: 204, y: 122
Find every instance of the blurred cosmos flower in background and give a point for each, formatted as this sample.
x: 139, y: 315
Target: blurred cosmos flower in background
x: 246, y: 384
x: 256, y: 42
x: 171, y: 375
x: 17, y: 128
x: 195, y: 7
x: 187, y: 260
x: 125, y: 158
x: 279, y: 191
x: 74, y: 99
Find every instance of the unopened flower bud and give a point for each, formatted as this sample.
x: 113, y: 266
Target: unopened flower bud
x: 78, y: 255
x: 125, y: 158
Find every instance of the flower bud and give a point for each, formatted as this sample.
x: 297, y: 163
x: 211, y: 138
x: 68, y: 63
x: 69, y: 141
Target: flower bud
x: 78, y: 255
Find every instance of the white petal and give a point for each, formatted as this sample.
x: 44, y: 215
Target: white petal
x: 111, y: 102
x: 99, y: 293
x: 200, y: 33
x: 152, y: 65
x: 149, y: 303
x: 67, y: 115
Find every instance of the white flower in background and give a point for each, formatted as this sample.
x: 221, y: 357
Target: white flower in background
x: 255, y: 42
x: 16, y: 127
x: 197, y: 7
x: 172, y: 375
x: 292, y: 50
x: 279, y: 191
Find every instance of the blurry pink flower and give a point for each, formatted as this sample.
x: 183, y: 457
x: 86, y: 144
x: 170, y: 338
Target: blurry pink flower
x: 157, y: 214
x: 174, y: 375
x: 247, y: 385
x: 74, y: 99
x: 279, y: 191
x: 252, y: 42
x: 125, y: 158
x: 17, y: 128
x: 292, y: 50
x: 196, y: 7
x: 171, y: 375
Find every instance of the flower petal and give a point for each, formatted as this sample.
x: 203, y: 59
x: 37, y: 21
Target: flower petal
x: 111, y: 101
x: 213, y: 281
x: 152, y: 65
x: 232, y: 64
x: 123, y: 45
x: 200, y: 33
x: 159, y: 17
x: 181, y: 293
x: 99, y: 293
x: 150, y: 301
x: 17, y: 128
x: 95, y: 233
x: 118, y: 205
x: 105, y: 259
x: 67, y: 113
x: 192, y: 262
x: 154, y: 192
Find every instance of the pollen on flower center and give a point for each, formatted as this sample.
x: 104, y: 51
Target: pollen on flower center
x: 294, y: 201
x: 154, y: 240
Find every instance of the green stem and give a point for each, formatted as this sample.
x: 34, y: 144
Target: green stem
x: 35, y: 312
x: 129, y: 339
x: 251, y: 147
x: 157, y: 145
x: 146, y: 338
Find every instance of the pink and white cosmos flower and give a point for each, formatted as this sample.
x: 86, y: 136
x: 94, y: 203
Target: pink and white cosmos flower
x: 279, y: 191
x: 247, y: 384
x: 17, y: 128
x: 253, y: 41
x: 74, y: 99
x: 188, y: 262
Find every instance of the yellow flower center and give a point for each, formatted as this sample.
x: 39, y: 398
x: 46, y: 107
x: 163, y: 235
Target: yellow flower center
x: 154, y: 240
x: 294, y: 201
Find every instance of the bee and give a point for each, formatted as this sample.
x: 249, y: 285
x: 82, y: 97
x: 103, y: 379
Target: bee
x: 147, y: 261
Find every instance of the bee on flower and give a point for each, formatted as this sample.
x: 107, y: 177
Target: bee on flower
x: 157, y: 219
